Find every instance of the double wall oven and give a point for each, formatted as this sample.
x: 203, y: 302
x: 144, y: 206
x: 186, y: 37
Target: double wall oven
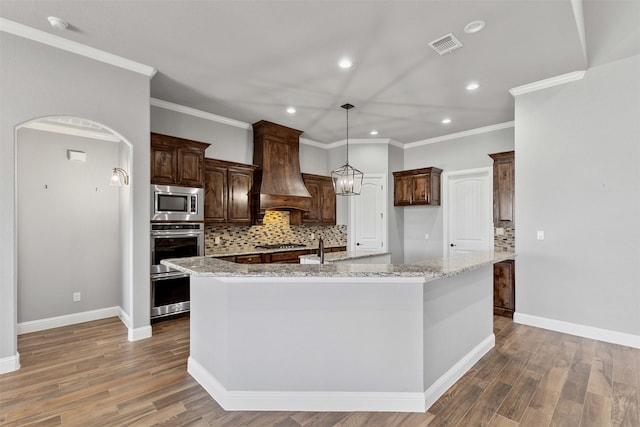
x: 177, y: 230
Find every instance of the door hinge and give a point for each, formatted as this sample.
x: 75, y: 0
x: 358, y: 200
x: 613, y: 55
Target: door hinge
x: 382, y: 244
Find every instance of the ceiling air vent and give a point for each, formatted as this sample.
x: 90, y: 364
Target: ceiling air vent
x: 446, y: 44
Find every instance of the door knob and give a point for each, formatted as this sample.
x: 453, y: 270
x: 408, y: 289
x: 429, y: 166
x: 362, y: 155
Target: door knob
x: 452, y: 245
x: 357, y: 244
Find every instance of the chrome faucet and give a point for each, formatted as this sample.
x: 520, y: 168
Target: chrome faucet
x: 321, y: 250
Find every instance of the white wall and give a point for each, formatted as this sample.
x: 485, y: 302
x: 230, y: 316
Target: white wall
x: 395, y: 214
x: 70, y: 229
x: 468, y: 152
x: 577, y: 178
x: 40, y: 81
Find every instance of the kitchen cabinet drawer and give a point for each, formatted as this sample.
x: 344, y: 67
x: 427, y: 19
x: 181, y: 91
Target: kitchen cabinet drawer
x: 336, y: 249
x: 249, y: 259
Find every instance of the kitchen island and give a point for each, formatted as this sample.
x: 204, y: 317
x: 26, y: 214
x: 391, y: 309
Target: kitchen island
x: 338, y: 337
x: 349, y: 257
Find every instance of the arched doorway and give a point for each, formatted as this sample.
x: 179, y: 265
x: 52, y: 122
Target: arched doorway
x: 73, y: 229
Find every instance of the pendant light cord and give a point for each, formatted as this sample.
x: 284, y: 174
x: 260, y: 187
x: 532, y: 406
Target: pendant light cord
x: 347, y: 136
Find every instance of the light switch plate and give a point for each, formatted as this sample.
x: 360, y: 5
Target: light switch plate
x: 540, y: 235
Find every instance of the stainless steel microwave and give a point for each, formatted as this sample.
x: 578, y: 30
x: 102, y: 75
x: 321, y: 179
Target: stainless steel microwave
x: 172, y: 203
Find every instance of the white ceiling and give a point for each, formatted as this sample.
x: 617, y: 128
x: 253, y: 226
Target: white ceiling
x: 250, y: 60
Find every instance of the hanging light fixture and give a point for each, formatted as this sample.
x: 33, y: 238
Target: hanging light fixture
x: 347, y: 180
x: 115, y: 177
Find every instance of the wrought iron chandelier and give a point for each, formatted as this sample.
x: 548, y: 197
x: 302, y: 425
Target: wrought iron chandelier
x: 347, y: 180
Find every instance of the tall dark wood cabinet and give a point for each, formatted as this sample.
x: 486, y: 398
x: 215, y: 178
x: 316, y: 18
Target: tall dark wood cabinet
x: 504, y: 292
x: 417, y: 187
x: 503, y: 189
x: 227, y: 199
x: 504, y: 273
x: 323, y: 200
x: 177, y: 161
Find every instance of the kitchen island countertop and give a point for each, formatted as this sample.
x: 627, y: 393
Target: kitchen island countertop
x: 344, y: 255
x: 431, y: 269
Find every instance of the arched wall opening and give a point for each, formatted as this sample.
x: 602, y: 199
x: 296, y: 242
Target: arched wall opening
x: 74, y: 230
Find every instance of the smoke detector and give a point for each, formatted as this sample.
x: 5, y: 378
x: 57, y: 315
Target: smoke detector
x: 446, y: 44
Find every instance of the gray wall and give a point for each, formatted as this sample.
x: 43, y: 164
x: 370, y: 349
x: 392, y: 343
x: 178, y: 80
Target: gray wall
x: 577, y: 178
x: 75, y: 218
x: 468, y: 152
x: 40, y: 81
x: 395, y: 215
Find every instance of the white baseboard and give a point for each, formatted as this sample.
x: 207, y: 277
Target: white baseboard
x: 456, y: 372
x: 69, y: 319
x: 136, y: 334
x: 584, y: 331
x: 336, y: 401
x: 124, y: 317
x: 10, y: 364
x: 304, y: 400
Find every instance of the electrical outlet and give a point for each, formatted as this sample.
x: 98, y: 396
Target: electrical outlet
x: 76, y: 296
x: 313, y: 236
x: 499, y: 231
x: 540, y: 235
x: 216, y: 240
x: 426, y: 236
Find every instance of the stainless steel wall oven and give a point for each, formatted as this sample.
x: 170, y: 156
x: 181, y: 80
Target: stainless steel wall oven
x: 170, y: 288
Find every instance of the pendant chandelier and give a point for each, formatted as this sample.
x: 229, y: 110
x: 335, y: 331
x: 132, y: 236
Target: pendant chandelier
x: 347, y: 180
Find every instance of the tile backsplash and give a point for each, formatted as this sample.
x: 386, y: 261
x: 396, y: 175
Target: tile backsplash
x: 506, y: 241
x: 275, y: 230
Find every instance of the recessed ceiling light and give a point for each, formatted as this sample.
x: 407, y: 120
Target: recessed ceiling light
x: 472, y: 86
x: 291, y: 110
x: 373, y: 132
x: 446, y: 121
x: 57, y: 23
x: 474, y: 27
x: 345, y: 63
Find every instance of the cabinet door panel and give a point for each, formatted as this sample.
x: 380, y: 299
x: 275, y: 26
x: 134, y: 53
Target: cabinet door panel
x: 420, y: 188
x: 215, y: 198
x: 163, y: 161
x: 402, y: 191
x: 505, y: 194
x: 328, y: 208
x: 189, y: 167
x: 240, y: 182
x: 504, y: 288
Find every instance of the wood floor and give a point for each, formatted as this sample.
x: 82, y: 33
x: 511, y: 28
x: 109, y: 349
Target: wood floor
x: 90, y: 375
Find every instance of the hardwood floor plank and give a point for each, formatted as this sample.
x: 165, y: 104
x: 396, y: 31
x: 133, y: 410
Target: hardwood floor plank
x: 500, y: 421
x: 486, y: 406
x: 566, y: 414
x: 625, y: 406
x: 600, y: 378
x: 575, y: 387
x: 596, y: 411
x: 518, y: 399
x: 454, y: 410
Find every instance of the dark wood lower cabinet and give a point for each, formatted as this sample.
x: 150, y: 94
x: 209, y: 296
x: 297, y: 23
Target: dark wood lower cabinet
x: 284, y: 257
x: 504, y: 288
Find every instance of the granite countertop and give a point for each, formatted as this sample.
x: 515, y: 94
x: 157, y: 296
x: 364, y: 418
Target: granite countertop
x: 251, y: 251
x: 431, y: 269
x: 345, y: 255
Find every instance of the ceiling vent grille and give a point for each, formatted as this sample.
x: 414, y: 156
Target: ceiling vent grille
x: 446, y: 44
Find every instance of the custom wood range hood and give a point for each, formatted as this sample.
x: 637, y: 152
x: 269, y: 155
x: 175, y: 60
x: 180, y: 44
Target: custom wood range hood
x: 278, y: 183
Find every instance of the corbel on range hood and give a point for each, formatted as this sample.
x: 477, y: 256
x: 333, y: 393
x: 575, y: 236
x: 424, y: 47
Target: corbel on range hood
x: 278, y: 183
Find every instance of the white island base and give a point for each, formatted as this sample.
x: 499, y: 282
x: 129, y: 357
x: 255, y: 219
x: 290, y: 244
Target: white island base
x: 337, y: 343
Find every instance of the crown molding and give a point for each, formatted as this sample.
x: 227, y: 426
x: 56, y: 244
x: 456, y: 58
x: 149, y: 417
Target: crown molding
x: 313, y: 143
x: 462, y: 134
x: 199, y: 113
x: 546, y: 83
x: 39, y: 36
x: 84, y: 133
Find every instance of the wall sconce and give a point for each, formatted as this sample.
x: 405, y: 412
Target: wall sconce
x: 115, y: 177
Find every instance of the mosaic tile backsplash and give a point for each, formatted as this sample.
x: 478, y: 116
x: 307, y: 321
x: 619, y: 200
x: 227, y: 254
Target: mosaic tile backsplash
x: 275, y: 230
x: 506, y: 241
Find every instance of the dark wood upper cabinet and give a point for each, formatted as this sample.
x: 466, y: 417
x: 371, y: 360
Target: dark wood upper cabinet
x: 323, y: 200
x: 177, y: 161
x: 417, y: 187
x: 504, y: 189
x: 227, y: 197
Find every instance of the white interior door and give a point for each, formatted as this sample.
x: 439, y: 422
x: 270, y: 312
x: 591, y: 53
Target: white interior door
x: 368, y: 215
x: 468, y: 200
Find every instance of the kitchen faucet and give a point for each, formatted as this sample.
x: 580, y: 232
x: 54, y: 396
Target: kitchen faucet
x: 321, y: 250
